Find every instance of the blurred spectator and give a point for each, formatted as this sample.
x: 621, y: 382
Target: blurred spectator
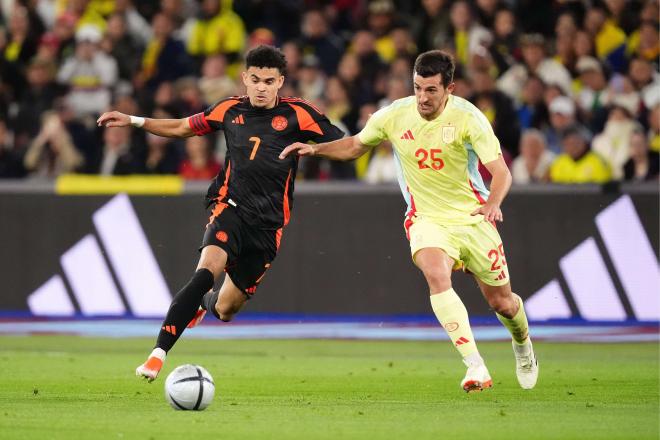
x: 189, y: 97
x: 137, y: 26
x: 504, y: 48
x: 531, y: 111
x: 85, y: 12
x: 583, y: 46
x: 360, y: 88
x: 646, y: 80
x: 577, y: 163
x: 380, y: 22
x: 21, y: 39
x: 613, y: 143
x: 381, y: 168
x: 404, y: 46
x: 533, y: 163
x: 162, y: 155
x: 52, y: 152
x: 498, y: 109
x: 397, y: 88
x: 562, y: 116
x: 311, y: 81
x: 468, y: 36
x: 339, y: 106
x: 318, y: 40
x: 216, y: 30
x: 645, y: 42
x: 486, y: 12
x: 654, y: 128
x: 215, y: 84
x: 294, y: 59
x: 624, y: 13
x: 643, y: 163
x: 370, y: 64
x: 116, y: 157
x: 432, y: 25
x: 534, y: 62
x: 592, y: 96
x: 90, y: 74
x: 123, y: 47
x: 11, y: 165
x: 164, y: 59
x: 199, y: 164
x: 609, y: 38
x: 38, y: 97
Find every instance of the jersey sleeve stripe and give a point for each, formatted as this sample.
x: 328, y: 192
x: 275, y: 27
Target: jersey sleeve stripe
x: 305, y: 121
x: 218, y: 113
x: 198, y: 124
x: 222, y: 192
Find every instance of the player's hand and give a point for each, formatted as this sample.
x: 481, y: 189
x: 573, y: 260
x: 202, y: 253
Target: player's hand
x: 113, y: 119
x: 300, y: 148
x: 491, y: 213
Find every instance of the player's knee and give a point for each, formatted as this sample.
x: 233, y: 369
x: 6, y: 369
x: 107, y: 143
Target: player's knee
x: 225, y: 312
x: 224, y: 317
x: 438, y: 280
x: 505, y: 306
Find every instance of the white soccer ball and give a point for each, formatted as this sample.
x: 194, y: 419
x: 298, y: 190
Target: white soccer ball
x: 189, y: 387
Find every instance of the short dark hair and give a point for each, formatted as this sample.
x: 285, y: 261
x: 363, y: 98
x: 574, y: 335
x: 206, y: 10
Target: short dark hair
x: 435, y: 62
x: 266, y: 56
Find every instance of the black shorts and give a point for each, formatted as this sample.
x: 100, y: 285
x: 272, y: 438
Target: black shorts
x: 250, y: 250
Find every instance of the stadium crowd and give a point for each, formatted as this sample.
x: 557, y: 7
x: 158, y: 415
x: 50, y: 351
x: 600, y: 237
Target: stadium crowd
x: 571, y: 87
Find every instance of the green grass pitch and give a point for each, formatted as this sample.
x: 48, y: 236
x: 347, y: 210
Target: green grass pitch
x: 54, y: 387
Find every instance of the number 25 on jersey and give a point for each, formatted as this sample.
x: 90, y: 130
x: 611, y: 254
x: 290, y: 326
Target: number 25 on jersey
x: 429, y: 159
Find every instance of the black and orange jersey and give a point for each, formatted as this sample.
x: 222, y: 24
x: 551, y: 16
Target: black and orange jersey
x: 256, y: 181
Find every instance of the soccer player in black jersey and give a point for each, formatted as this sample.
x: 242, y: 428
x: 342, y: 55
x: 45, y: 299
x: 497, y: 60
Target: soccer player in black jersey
x: 251, y: 201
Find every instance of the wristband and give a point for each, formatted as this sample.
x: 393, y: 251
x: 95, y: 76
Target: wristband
x: 137, y: 121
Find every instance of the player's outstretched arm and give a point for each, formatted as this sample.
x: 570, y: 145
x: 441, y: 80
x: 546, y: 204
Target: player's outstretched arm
x: 499, y: 187
x: 347, y: 148
x: 161, y: 127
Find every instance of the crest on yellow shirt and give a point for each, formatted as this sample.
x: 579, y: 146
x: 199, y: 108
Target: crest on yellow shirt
x: 448, y: 134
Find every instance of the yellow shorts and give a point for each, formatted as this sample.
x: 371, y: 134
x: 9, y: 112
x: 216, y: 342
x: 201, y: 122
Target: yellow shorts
x: 475, y: 248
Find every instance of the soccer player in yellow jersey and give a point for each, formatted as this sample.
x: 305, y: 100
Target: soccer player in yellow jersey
x: 439, y: 140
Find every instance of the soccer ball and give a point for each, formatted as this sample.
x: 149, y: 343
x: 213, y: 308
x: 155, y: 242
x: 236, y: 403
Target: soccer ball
x: 189, y: 387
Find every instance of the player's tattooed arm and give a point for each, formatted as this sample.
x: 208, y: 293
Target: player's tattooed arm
x: 177, y: 128
x: 347, y: 148
x: 499, y: 187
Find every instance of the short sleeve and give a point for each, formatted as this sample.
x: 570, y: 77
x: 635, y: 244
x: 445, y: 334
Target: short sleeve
x: 482, y: 138
x: 373, y: 132
x: 313, y: 124
x: 211, y: 119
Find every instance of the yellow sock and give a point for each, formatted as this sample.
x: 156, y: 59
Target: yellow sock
x: 453, y: 316
x: 517, y: 325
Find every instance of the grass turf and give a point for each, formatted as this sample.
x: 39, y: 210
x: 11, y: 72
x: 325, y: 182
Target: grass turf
x: 58, y: 387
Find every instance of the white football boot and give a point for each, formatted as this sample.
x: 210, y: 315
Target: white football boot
x: 527, y: 367
x: 477, y: 378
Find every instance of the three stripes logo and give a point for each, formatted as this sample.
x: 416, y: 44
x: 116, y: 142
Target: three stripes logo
x: 90, y: 267
x: 171, y: 329
x: 238, y: 120
x: 585, y: 274
x: 408, y: 136
x: 462, y: 340
x: 501, y: 276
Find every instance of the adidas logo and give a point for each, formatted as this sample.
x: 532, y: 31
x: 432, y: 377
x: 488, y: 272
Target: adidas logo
x: 462, y: 340
x: 501, y: 276
x: 171, y: 329
x: 238, y: 120
x: 92, y: 265
x: 408, y: 136
x: 585, y: 274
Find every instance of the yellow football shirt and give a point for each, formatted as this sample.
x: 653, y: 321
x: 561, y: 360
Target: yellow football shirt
x: 437, y: 161
x: 590, y: 168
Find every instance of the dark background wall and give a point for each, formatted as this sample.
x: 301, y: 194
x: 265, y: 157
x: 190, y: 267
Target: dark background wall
x: 344, y: 251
